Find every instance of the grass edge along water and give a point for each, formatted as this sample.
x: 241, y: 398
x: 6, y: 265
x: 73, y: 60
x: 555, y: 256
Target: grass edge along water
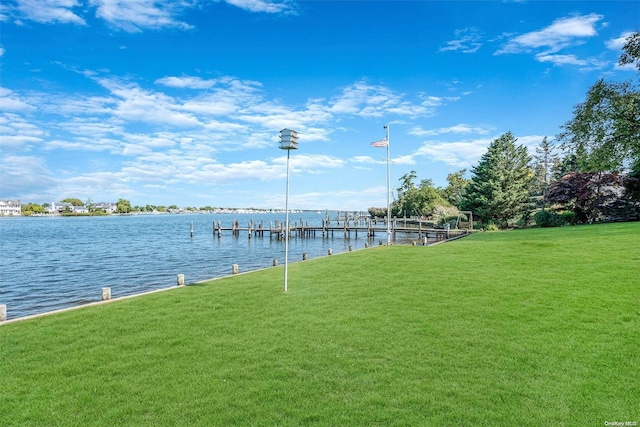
x: 532, y: 327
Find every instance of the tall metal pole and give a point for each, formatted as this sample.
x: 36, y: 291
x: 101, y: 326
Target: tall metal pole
x: 388, y: 190
x: 286, y: 236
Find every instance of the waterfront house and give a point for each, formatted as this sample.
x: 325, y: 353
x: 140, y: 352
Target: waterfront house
x: 60, y: 207
x: 10, y: 208
x: 109, y: 208
x: 80, y: 210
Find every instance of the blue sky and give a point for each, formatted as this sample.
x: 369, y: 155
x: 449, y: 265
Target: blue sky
x: 180, y: 101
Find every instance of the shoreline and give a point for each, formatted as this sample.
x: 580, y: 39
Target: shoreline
x: 125, y: 297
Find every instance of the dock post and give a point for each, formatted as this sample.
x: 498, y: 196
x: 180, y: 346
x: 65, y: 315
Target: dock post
x: 106, y: 294
x: 3, y: 312
x: 180, y: 280
x: 191, y: 229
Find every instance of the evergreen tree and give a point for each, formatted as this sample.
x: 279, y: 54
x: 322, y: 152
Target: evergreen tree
x: 499, y: 189
x: 544, y: 165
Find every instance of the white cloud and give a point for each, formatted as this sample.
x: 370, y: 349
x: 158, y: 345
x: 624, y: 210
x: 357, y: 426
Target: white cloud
x: 9, y: 101
x: 465, y: 154
x: 366, y: 100
x: 460, y: 128
x: 404, y: 160
x: 134, y: 16
x: 187, y: 82
x: 365, y: 160
x: 261, y: 5
x: 531, y: 142
x: 562, y: 33
x: 18, y: 134
x: 136, y: 104
x: 460, y: 154
x: 618, y: 42
x: 561, y: 59
x: 312, y: 163
x: 467, y: 41
x: 20, y: 185
x: 129, y: 135
x: 50, y: 11
x: 247, y: 170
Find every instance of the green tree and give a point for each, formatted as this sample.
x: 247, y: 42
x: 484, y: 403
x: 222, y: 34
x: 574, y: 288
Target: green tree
x: 499, y: 189
x: 123, y: 206
x: 630, y: 55
x: 32, y: 208
x: 416, y: 200
x: 73, y: 201
x: 631, y: 51
x: 604, y: 133
x: 457, y: 183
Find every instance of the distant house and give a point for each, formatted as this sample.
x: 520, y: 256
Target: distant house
x: 60, y: 207
x: 80, y: 209
x: 104, y: 206
x: 10, y: 208
x: 57, y: 208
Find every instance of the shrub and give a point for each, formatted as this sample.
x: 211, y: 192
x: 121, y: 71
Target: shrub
x: 492, y: 227
x: 551, y: 219
x: 569, y: 217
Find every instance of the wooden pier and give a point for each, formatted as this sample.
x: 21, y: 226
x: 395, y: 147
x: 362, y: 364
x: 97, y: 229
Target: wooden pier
x: 366, y: 228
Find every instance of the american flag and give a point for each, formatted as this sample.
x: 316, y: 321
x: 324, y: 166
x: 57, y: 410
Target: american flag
x: 381, y: 143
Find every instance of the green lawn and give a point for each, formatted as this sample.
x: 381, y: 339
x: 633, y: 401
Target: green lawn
x: 531, y: 327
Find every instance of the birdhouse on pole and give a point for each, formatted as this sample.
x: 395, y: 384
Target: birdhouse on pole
x: 288, y: 139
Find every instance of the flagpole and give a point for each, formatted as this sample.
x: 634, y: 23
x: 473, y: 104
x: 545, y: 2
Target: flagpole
x: 388, y: 190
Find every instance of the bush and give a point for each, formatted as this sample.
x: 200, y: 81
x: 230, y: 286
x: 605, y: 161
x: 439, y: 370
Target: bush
x: 492, y: 227
x: 551, y: 219
x: 569, y: 217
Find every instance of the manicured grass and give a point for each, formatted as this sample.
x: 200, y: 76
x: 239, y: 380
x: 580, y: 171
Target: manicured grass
x: 531, y: 327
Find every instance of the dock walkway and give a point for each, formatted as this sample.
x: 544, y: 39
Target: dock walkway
x: 347, y: 228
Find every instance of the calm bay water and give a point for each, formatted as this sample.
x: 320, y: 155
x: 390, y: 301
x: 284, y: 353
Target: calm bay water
x: 51, y: 263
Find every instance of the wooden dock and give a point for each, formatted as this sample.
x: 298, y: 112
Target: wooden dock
x: 407, y: 228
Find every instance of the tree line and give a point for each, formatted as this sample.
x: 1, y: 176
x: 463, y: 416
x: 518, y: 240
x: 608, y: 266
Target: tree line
x: 592, y: 174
